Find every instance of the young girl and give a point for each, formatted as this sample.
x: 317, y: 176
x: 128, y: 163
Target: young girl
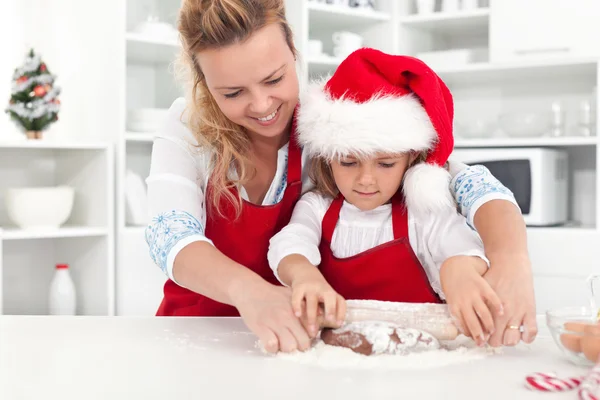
x: 381, y: 225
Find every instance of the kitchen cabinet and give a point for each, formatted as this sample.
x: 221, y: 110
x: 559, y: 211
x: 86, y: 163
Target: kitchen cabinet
x: 535, y: 29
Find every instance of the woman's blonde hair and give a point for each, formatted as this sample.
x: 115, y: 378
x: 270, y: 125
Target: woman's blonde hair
x: 212, y: 24
x: 322, y: 175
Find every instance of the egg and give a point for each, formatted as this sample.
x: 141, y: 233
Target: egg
x: 572, y: 341
x: 590, y: 343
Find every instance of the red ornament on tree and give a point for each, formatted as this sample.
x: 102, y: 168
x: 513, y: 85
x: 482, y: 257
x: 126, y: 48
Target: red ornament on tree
x: 39, y: 91
x: 43, y: 67
x: 22, y: 79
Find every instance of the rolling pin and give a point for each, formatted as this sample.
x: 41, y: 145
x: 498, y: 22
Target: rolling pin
x: 429, y: 317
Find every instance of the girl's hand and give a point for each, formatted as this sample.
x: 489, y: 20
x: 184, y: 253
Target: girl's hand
x: 310, y: 292
x: 471, y: 300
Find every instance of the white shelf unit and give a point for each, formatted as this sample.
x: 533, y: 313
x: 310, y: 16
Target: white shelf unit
x: 141, y: 49
x: 149, y: 83
x: 314, y: 20
x: 527, y: 142
x: 85, y: 241
x: 472, y: 22
x: 143, y: 137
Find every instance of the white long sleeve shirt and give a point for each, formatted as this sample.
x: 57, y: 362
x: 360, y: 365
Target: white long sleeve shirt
x: 433, y: 238
x: 179, y: 173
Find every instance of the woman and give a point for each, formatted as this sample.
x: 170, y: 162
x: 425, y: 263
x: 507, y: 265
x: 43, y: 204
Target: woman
x: 226, y: 173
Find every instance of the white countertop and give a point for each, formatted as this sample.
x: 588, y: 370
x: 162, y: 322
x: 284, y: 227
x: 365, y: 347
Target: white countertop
x: 215, y: 358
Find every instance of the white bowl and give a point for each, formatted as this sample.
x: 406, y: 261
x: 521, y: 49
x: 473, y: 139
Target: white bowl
x: 525, y: 124
x: 39, y: 207
x: 476, y: 128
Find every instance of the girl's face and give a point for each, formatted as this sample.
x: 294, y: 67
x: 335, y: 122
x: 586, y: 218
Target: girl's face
x: 254, y: 82
x: 368, y: 183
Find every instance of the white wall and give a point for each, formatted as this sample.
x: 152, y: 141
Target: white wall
x: 80, y: 41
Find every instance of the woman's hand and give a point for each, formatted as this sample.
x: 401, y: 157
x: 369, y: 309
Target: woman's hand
x: 510, y: 276
x: 267, y: 311
x: 471, y: 300
x: 310, y: 292
x: 504, y: 234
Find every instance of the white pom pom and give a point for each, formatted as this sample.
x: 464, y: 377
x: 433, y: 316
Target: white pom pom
x: 427, y: 189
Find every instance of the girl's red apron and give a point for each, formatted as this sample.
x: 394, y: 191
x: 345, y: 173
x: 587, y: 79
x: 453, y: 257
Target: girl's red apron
x: 244, y: 240
x: 389, y: 272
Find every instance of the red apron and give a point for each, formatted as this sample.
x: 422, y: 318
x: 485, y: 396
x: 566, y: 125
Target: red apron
x: 244, y: 240
x: 388, y: 272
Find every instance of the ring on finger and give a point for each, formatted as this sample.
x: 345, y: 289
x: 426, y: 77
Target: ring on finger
x: 514, y: 327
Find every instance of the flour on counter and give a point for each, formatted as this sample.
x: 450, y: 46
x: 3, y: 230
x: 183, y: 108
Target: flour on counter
x: 457, y: 351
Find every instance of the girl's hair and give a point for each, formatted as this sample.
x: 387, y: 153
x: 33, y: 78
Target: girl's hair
x: 322, y: 176
x: 212, y: 24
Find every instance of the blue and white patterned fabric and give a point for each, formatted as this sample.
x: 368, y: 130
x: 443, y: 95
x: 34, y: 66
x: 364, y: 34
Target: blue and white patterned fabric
x: 168, y: 229
x: 475, y: 185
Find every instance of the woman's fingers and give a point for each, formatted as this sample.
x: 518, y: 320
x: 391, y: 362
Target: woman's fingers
x: 287, y: 341
x: 341, y: 310
x: 268, y: 338
x: 500, y: 322
x: 299, y: 334
x: 512, y: 333
x: 530, y: 328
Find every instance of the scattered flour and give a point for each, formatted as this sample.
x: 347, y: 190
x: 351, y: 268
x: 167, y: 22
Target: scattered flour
x: 458, y: 351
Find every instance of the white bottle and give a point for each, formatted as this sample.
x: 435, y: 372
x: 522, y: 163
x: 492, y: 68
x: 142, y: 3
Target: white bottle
x: 61, y: 299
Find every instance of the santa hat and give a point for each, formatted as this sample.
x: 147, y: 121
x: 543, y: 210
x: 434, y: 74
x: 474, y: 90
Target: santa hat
x: 376, y: 102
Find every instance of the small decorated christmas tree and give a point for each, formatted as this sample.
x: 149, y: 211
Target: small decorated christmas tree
x: 34, y: 103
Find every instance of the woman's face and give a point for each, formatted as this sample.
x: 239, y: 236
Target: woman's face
x: 254, y: 82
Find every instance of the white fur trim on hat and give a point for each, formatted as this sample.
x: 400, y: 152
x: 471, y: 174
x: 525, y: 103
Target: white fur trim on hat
x: 337, y: 127
x: 426, y: 189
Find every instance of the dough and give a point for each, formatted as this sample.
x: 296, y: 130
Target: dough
x: 375, y: 337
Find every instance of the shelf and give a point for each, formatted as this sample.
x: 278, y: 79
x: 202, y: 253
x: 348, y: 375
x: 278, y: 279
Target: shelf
x: 332, y: 17
x: 323, y: 65
x: 144, y: 137
x: 562, y: 230
x: 455, y: 23
x: 527, y: 142
x: 53, y: 145
x: 63, y: 232
x: 150, y: 50
x: 559, y: 68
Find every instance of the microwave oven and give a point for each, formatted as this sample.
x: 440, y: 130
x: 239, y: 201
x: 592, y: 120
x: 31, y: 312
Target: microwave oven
x: 538, y: 178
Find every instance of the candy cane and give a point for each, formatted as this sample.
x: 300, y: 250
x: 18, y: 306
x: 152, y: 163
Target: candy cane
x: 551, y: 383
x: 590, y: 386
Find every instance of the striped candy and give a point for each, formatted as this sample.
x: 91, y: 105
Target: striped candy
x: 590, y: 386
x: 551, y: 383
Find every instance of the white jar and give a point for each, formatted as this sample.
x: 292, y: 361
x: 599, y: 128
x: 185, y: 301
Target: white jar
x: 62, y: 297
x: 450, y: 6
x: 470, y: 4
x: 425, y: 6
